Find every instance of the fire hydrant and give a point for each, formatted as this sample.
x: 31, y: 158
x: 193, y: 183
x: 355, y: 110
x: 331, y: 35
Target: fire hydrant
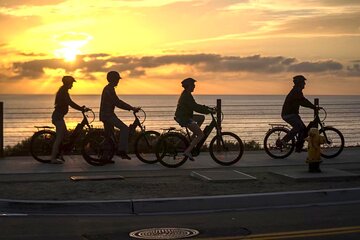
x: 314, y: 158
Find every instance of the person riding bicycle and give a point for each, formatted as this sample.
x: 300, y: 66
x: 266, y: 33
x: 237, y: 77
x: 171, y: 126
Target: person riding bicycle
x: 290, y: 113
x: 62, y: 103
x: 184, y: 114
x: 109, y: 100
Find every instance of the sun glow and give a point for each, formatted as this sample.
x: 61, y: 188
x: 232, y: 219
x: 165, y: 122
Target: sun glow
x: 68, y: 53
x: 71, y: 44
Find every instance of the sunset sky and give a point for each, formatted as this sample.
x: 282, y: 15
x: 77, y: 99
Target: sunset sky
x: 229, y: 46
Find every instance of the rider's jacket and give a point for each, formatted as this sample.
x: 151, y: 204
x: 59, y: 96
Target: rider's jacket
x: 63, y: 101
x: 109, y: 100
x: 187, y: 105
x: 294, y: 100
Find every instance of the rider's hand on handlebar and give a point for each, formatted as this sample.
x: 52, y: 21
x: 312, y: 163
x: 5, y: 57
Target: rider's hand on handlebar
x: 213, y: 110
x: 85, y: 109
x: 136, y: 109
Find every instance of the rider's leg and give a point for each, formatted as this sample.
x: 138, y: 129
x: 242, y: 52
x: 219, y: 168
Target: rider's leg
x: 60, y: 134
x: 109, y: 134
x: 124, y: 137
x: 297, y: 127
x: 199, y: 119
x: 198, y: 136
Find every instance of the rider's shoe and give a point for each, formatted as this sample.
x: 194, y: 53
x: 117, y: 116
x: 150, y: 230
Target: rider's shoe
x: 123, y: 155
x: 56, y: 161
x: 189, y: 156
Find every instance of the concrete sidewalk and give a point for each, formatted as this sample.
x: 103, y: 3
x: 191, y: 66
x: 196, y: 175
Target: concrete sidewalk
x: 30, y: 187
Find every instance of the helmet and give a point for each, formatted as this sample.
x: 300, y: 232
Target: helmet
x: 113, y: 76
x: 68, y: 79
x: 187, y: 81
x: 298, y: 79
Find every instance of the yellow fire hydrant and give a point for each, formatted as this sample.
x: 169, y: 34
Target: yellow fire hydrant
x: 314, y: 158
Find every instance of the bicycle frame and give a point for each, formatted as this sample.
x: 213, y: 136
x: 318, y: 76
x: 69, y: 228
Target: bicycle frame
x: 316, y: 122
x: 207, y: 130
x: 136, y: 124
x: 67, y: 146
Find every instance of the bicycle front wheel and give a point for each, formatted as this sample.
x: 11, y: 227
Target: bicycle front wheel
x: 334, y: 142
x: 170, y: 149
x: 272, y: 146
x: 41, y: 145
x: 145, y: 146
x: 96, y: 149
x: 226, y: 149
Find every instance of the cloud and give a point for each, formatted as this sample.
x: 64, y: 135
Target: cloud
x: 321, y: 66
x: 137, y: 66
x: 31, y: 54
x: 354, y: 70
x: 329, y: 24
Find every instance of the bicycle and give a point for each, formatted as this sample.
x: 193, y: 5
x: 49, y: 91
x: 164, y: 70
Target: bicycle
x: 42, y: 141
x: 144, y: 143
x: 225, y: 148
x: 333, y: 146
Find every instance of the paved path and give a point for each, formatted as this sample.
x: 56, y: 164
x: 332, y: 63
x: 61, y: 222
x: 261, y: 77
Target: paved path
x: 75, y: 163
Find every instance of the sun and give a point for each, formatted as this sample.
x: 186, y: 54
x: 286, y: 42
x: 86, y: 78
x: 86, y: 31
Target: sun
x: 67, y: 53
x: 71, y: 44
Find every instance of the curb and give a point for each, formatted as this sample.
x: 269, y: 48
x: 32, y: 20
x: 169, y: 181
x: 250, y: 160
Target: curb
x: 185, y: 204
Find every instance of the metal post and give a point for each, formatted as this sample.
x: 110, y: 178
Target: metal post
x: 316, y: 111
x: 218, y: 116
x: 218, y: 112
x: 1, y: 129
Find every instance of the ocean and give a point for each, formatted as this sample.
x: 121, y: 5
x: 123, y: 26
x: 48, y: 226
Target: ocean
x: 246, y: 115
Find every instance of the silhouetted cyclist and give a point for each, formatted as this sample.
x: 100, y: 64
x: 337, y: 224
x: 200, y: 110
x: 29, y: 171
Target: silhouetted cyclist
x: 185, y: 116
x: 62, y: 103
x: 109, y: 100
x: 290, y: 112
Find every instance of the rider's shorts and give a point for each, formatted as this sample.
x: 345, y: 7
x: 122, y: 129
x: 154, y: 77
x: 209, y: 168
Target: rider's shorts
x: 183, y: 122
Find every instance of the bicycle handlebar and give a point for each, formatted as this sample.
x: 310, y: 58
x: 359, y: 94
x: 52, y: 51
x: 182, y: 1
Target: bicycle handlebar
x: 136, y: 114
x: 90, y: 120
x: 325, y: 113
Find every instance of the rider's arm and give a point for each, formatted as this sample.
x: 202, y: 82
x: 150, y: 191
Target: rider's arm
x: 117, y: 102
x: 190, y: 101
x: 305, y: 102
x: 72, y: 103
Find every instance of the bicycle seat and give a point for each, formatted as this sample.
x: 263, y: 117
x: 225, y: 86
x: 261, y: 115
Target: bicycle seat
x: 45, y: 127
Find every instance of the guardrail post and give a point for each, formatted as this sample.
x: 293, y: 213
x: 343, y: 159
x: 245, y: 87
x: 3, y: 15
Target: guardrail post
x: 1, y: 129
x: 316, y: 111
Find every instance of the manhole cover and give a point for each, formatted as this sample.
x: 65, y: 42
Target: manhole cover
x: 164, y: 233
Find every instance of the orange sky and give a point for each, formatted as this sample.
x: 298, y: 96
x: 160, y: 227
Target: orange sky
x: 230, y: 47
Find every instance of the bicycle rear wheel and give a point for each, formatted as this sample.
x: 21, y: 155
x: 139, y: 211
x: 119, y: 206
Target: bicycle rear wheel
x: 274, y: 150
x: 96, y: 149
x: 335, y: 142
x: 145, y: 146
x: 226, y: 149
x: 170, y: 149
x: 41, y: 145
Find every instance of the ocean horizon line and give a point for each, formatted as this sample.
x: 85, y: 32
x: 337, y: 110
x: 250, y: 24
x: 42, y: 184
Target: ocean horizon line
x: 124, y: 94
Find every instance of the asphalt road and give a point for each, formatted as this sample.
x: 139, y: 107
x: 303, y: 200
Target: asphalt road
x: 306, y: 222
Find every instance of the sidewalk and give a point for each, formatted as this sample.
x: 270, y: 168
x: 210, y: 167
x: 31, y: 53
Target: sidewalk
x: 256, y: 178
